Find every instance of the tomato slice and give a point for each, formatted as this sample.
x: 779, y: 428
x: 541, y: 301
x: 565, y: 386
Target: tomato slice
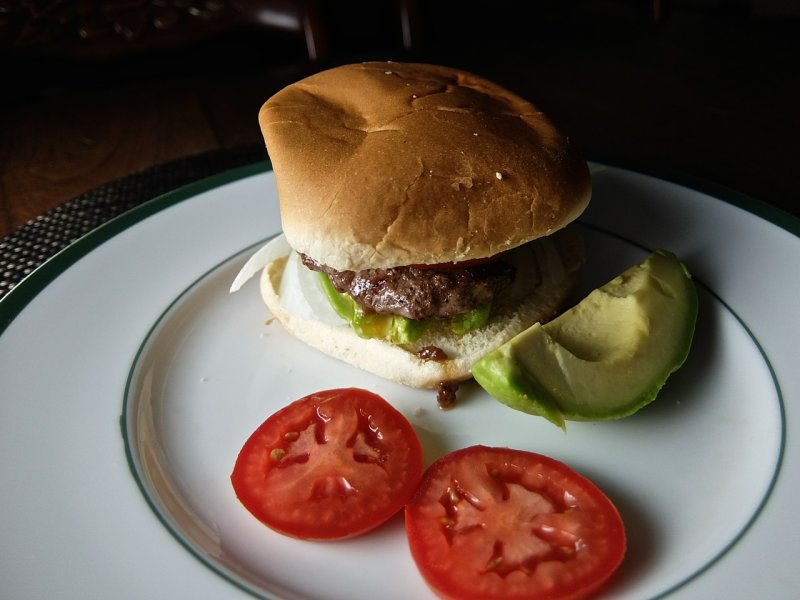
x: 495, y: 523
x: 331, y: 465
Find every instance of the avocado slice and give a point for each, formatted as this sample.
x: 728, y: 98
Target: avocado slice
x: 472, y: 319
x: 606, y: 357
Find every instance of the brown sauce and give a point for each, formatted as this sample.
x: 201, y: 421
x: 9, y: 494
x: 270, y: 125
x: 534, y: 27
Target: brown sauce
x: 446, y: 394
x: 432, y: 352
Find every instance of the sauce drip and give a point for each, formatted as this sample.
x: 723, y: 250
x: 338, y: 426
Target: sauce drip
x: 446, y: 394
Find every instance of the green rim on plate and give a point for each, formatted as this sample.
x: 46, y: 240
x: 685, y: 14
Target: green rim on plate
x: 18, y: 298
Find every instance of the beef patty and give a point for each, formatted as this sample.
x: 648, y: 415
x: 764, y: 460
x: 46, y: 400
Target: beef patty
x: 420, y: 292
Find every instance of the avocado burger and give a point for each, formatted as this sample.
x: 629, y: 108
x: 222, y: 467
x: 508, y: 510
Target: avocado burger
x: 423, y: 212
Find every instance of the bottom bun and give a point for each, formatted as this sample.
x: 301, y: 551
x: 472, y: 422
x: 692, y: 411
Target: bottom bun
x: 546, y: 274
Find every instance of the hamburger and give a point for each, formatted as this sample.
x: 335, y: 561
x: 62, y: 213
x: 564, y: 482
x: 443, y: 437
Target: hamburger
x: 423, y: 214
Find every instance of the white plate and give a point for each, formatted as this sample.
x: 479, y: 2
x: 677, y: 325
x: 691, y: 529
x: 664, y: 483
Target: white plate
x: 130, y: 378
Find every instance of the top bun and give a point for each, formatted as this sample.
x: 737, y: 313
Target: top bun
x: 385, y: 164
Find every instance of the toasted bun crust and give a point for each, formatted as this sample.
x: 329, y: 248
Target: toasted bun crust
x: 385, y: 164
x: 548, y: 278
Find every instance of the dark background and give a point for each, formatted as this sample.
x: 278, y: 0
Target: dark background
x: 97, y: 90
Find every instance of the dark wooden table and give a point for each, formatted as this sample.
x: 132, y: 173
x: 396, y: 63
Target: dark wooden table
x: 711, y: 94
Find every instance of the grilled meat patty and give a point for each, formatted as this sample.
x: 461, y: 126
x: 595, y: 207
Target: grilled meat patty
x: 421, y: 292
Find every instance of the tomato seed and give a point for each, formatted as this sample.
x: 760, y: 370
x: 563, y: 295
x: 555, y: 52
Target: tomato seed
x: 493, y: 563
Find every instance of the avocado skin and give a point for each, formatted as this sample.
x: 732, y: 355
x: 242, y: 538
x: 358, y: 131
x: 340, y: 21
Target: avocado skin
x: 531, y: 372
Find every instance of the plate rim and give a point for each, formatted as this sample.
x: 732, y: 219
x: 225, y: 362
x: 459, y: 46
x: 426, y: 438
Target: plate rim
x: 35, y: 282
x: 725, y: 193
x: 13, y: 303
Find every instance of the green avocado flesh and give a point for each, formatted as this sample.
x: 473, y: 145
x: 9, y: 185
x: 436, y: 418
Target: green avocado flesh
x: 394, y: 328
x: 605, y: 358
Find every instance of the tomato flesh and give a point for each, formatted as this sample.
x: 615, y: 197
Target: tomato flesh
x: 495, y: 523
x: 331, y: 465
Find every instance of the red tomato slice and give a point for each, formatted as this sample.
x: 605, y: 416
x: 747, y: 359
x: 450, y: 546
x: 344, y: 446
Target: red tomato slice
x: 494, y: 523
x: 329, y: 466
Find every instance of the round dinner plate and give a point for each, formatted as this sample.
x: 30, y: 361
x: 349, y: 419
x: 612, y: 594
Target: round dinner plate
x: 131, y: 377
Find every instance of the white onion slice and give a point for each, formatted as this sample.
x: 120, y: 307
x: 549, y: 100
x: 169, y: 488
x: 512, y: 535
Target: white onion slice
x: 272, y: 250
x: 300, y: 290
x: 302, y: 294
